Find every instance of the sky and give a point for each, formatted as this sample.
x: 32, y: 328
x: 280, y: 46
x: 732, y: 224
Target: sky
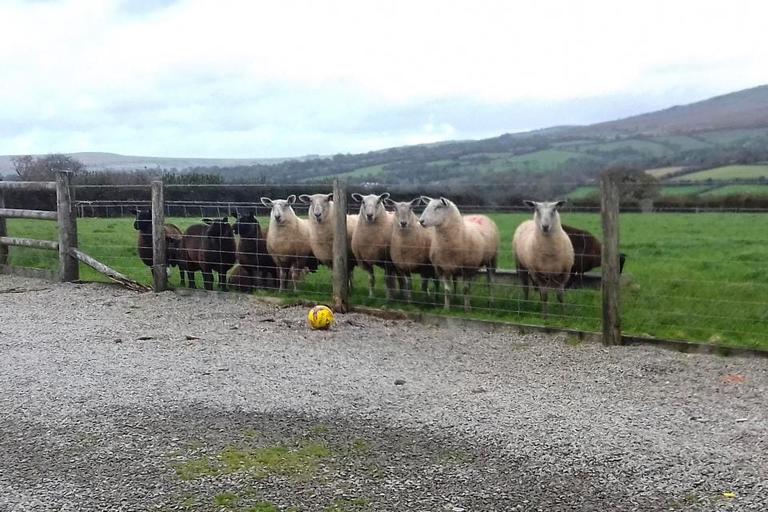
x: 194, y: 78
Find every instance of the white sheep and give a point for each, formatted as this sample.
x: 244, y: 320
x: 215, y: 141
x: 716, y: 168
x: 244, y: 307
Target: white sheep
x: 287, y: 239
x: 410, y: 245
x: 461, y: 246
x: 322, y: 226
x: 544, y: 251
x: 370, y: 241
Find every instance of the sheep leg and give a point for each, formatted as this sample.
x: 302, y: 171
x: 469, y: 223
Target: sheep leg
x: 490, y: 272
x: 543, y: 295
x: 281, y: 276
x: 447, y: 292
x: 371, y: 279
x: 561, y: 298
x: 208, y: 279
x: 223, y: 281
x: 525, y: 281
x: 190, y: 279
x: 389, y: 282
x: 467, y: 284
x: 407, y: 285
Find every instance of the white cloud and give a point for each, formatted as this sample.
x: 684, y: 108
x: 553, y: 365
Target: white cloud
x: 240, y: 78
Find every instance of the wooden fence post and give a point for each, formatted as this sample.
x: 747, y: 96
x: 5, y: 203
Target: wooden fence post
x: 159, y: 274
x: 3, y: 232
x: 609, y: 201
x: 340, y: 248
x: 69, y: 267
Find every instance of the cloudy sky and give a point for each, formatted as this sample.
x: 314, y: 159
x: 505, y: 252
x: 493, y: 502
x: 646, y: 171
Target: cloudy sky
x: 287, y: 78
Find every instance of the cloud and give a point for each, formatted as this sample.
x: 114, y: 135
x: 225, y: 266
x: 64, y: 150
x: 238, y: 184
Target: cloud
x: 238, y: 78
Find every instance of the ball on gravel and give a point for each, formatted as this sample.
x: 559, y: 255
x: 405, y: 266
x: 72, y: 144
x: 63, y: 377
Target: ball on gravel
x: 320, y: 317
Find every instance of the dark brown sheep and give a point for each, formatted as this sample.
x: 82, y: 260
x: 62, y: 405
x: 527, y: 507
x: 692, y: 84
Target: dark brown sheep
x: 173, y: 235
x: 209, y: 248
x: 588, y: 253
x: 252, y: 252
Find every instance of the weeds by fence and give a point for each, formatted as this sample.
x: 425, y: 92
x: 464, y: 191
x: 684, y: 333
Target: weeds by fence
x: 689, y: 274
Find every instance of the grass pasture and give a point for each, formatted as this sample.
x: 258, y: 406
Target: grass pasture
x: 728, y: 172
x: 688, y: 276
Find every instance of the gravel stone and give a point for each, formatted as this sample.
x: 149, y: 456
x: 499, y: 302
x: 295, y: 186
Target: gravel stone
x: 105, y: 394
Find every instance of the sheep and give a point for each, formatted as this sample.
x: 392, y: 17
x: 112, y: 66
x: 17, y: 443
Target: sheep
x: 322, y: 226
x: 543, y: 251
x: 143, y: 224
x: 370, y: 240
x: 252, y: 254
x: 461, y: 246
x: 587, y: 252
x: 209, y: 248
x: 288, y: 240
x: 410, y: 245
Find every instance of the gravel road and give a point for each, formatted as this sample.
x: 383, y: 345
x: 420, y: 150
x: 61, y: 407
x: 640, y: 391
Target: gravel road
x: 113, y: 400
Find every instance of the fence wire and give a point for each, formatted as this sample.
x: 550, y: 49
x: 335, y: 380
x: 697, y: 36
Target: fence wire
x: 693, y: 273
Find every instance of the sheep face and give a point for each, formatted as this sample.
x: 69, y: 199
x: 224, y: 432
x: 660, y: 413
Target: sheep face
x: 404, y: 212
x: 545, y: 215
x: 281, y: 208
x: 319, y: 206
x: 219, y: 228
x: 247, y: 226
x: 371, y: 206
x: 436, y: 212
x: 143, y: 221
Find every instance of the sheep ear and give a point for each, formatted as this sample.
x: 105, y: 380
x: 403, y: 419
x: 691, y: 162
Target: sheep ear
x: 444, y: 201
x: 384, y: 196
x: 291, y: 199
x: 266, y: 202
x: 357, y: 197
x: 415, y: 202
x: 207, y: 221
x: 329, y: 197
x: 529, y: 203
x: 425, y: 199
x: 388, y: 202
x: 560, y: 203
x: 304, y: 198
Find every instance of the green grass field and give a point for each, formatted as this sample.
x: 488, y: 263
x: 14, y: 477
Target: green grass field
x: 688, y: 276
x: 728, y: 172
x: 737, y: 190
x: 545, y: 160
x: 682, y: 190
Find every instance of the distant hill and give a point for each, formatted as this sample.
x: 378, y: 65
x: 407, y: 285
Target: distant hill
x: 115, y: 162
x: 742, y: 109
x: 714, y: 133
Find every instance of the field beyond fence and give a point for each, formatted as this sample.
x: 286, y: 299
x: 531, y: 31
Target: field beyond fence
x: 688, y: 276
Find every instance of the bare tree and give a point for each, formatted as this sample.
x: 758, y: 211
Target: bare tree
x: 30, y: 168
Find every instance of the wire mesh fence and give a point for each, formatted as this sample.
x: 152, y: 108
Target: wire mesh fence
x: 696, y: 274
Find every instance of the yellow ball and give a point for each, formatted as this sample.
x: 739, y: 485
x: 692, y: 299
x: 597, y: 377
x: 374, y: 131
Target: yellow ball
x: 320, y: 317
